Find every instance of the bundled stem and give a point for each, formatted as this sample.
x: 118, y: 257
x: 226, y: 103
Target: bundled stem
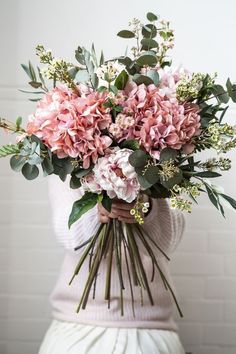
x: 116, y: 241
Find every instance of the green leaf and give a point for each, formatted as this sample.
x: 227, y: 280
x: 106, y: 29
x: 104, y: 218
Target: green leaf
x: 75, y: 182
x: 212, y: 196
x: 81, y: 172
x: 126, y: 34
x: 154, y: 76
x: 32, y: 72
x: 17, y: 162
x: 143, y: 182
x: 121, y: 80
x: 149, y: 43
x: 138, y: 158
x: 81, y: 206
x: 47, y: 166
x: 101, y: 61
x: 221, y: 94
x: 106, y: 202
x: 168, y: 154
x: 26, y: 69
x: 233, y: 94
x: 30, y: 172
x: 230, y: 200
x: 152, y: 174
x: 169, y: 183
x: 149, y: 31
x: 151, y: 17
x: 125, y: 61
x: 94, y: 80
x: 94, y: 56
x: 142, y: 79
x: 9, y: 149
x: 113, y: 89
x: 147, y: 59
x: 130, y: 144
x: 207, y: 174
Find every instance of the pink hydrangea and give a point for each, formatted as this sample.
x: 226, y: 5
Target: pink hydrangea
x: 114, y: 174
x: 71, y: 124
x: 159, y: 121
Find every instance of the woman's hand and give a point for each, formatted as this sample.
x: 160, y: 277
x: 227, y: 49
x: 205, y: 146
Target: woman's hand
x: 120, y: 210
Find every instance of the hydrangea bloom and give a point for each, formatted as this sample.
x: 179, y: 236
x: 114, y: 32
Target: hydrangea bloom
x: 71, y: 124
x: 114, y: 174
x: 159, y: 121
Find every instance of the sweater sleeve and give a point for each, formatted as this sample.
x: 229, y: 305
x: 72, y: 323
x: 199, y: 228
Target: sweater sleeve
x: 164, y: 225
x: 61, y: 198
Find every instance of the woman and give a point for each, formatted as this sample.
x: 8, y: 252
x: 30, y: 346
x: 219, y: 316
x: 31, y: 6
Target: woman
x: 98, y: 329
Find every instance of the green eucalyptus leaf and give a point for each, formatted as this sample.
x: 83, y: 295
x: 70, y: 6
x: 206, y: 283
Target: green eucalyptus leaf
x: 152, y: 174
x: 154, y: 76
x: 142, y: 79
x: 101, y: 61
x: 9, y: 149
x: 170, y: 182
x: 75, y: 182
x: 126, y: 34
x: 125, y: 61
x: 81, y: 206
x: 30, y: 172
x: 47, y: 166
x: 147, y: 59
x: 151, y: 17
x: 143, y: 182
x: 138, y: 158
x: 149, y: 31
x: 81, y: 172
x: 149, y: 43
x: 168, y: 154
x: 17, y: 162
x: 121, y: 80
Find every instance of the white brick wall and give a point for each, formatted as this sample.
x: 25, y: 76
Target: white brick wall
x: 204, y: 266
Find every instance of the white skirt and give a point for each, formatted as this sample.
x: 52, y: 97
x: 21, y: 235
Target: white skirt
x: 72, y: 338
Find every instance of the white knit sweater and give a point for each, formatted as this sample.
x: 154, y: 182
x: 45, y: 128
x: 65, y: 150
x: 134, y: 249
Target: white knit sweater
x: 162, y: 223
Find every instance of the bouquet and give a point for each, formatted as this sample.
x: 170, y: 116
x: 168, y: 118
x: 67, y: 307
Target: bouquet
x: 125, y: 128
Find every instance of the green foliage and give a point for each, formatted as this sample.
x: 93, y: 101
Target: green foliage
x: 130, y: 144
x: 147, y: 59
x: 168, y: 154
x: 121, y: 80
x: 142, y: 79
x: 126, y: 34
x: 106, y: 202
x: 170, y: 182
x: 149, y: 31
x: 138, y: 158
x: 10, y: 149
x: 81, y: 206
x: 151, y: 17
x: 30, y: 172
x: 152, y: 174
x: 154, y: 76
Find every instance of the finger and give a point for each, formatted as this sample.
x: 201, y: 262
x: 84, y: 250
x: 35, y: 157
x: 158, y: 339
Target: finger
x: 102, y: 210
x: 122, y: 205
x: 122, y: 213
x: 103, y: 219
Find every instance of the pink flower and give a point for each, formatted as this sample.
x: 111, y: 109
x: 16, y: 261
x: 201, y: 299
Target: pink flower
x: 158, y: 121
x: 71, y: 124
x: 115, y: 175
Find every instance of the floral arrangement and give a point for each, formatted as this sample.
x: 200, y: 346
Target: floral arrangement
x: 124, y: 128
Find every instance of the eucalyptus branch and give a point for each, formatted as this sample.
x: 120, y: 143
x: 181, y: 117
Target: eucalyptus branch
x: 5, y: 124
